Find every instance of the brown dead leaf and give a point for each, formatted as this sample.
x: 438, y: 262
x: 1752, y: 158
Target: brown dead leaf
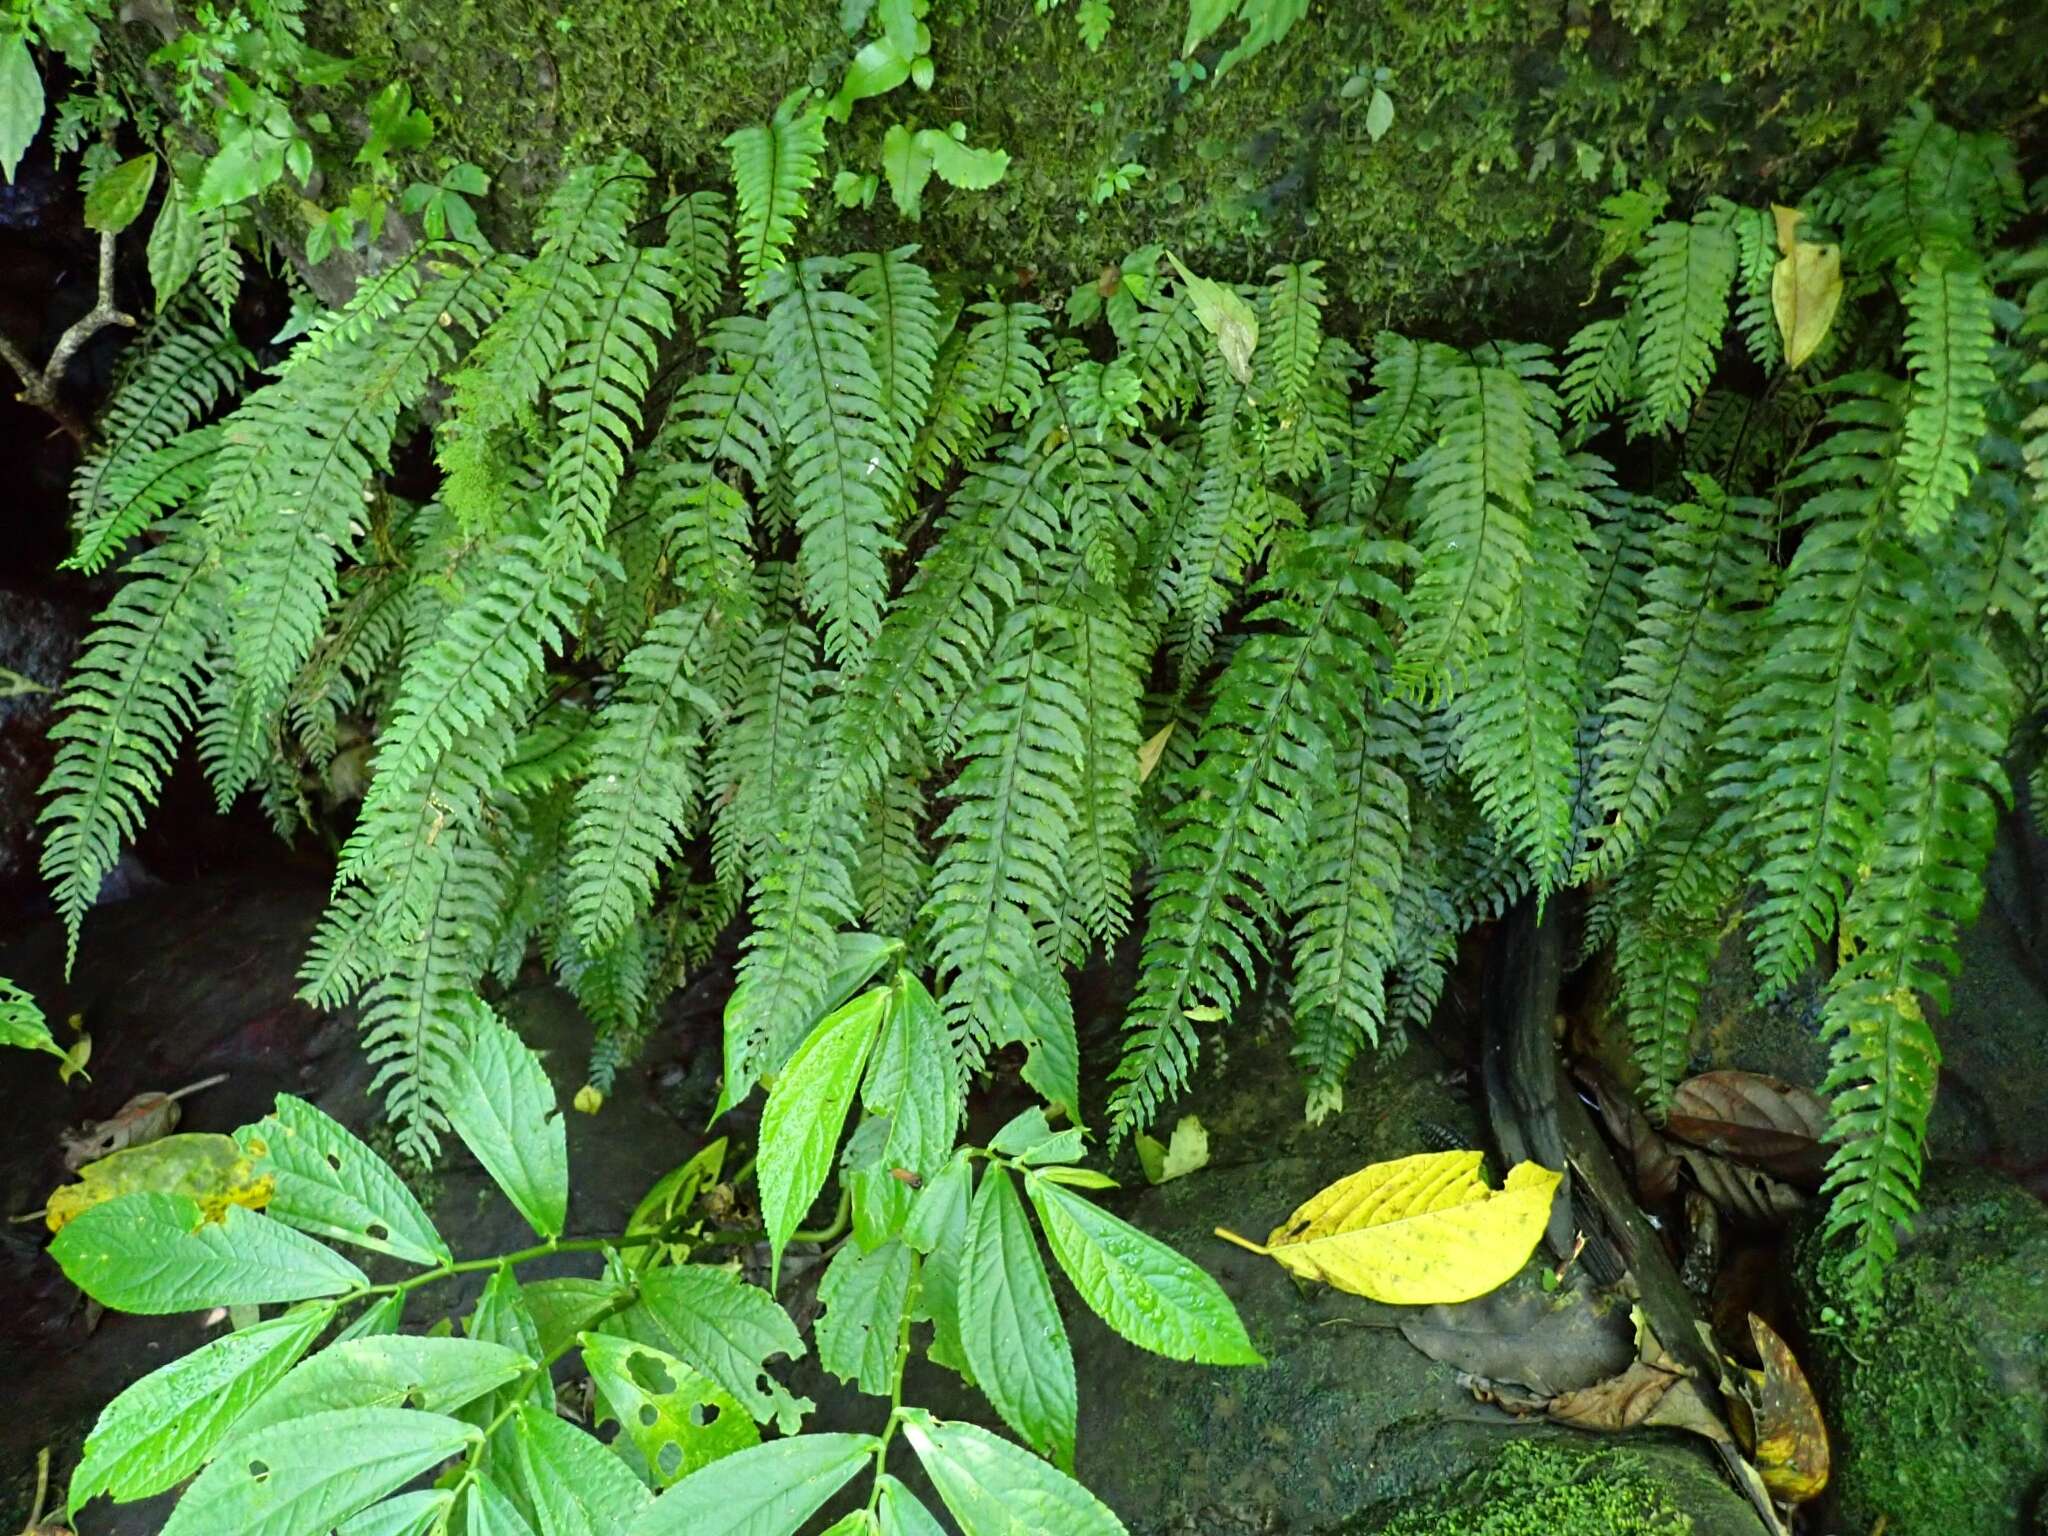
x: 1153, y: 749
x: 145, y: 1118
x: 1644, y: 1396
x: 1649, y: 1155
x: 1780, y: 1422
x: 1748, y: 1195
x: 1762, y: 1121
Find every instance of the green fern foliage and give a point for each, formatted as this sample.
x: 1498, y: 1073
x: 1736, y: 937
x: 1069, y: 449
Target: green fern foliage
x: 1948, y: 345
x: 1681, y: 308
x: 773, y: 165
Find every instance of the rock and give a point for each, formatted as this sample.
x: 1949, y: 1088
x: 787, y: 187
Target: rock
x: 39, y: 635
x: 1938, y: 1405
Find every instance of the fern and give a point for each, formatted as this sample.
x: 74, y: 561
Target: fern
x: 905, y: 306
x: 132, y: 694
x: 1948, y: 347
x: 1681, y: 312
x: 698, y: 231
x: 1107, y: 658
x: 1290, y: 336
x: 840, y: 438
x: 773, y: 165
x: 895, y: 874
x: 139, y: 468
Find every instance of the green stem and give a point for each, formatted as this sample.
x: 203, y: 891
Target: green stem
x: 896, y: 1379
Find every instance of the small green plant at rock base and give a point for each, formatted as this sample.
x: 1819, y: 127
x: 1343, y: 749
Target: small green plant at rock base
x: 310, y: 1437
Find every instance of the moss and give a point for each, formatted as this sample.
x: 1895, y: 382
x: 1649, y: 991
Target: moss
x: 1541, y: 1490
x: 1514, y: 117
x: 1938, y: 1402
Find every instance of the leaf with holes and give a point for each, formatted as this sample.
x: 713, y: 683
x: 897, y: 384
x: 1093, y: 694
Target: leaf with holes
x: 160, y: 1430
x: 675, y: 1418
x: 210, y: 1170
x: 864, y: 1296
x: 330, y: 1184
x: 312, y: 1474
x: 503, y: 1107
x: 155, y: 1254
x: 1415, y: 1230
x: 718, y: 1324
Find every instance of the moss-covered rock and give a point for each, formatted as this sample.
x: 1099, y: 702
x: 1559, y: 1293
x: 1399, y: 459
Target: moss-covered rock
x: 1512, y: 118
x: 1539, y: 1488
x: 1938, y: 1403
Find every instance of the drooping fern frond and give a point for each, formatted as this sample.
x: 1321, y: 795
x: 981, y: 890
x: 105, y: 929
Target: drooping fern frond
x: 639, y: 800
x: 700, y: 236
x: 1475, y: 482
x: 1107, y: 657
x: 757, y: 770
x: 895, y: 873
x: 137, y: 469
x: 773, y: 165
x: 1387, y: 426
x: 1681, y: 310
x: 1676, y: 671
x: 1290, y: 336
x: 1242, y: 811
x: 1599, y: 372
x: 131, y: 696
x: 1807, y: 741
x: 840, y: 440
x: 1948, y: 348
x: 905, y: 340
x: 1343, y: 933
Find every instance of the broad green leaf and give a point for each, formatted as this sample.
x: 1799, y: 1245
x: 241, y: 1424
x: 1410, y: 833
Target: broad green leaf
x: 313, y: 1473
x: 806, y: 1112
x: 156, y: 1254
x: 408, y: 1514
x: 876, y: 70
x: 718, y: 1324
x: 380, y: 1317
x: 857, y: 958
x: 856, y: 1523
x: 1077, y: 1178
x: 1143, y: 1289
x: 1043, y: 1017
x: 331, y: 1185
x: 770, y: 1490
x: 119, y: 195
x: 249, y: 160
x: 1204, y: 17
x: 961, y: 165
x: 207, y: 1169
x: 487, y: 1512
x: 912, y: 1080
x: 995, y: 1488
x: 1011, y: 1325
x: 902, y: 1514
x: 1416, y: 1230
x: 1030, y: 1138
x: 575, y: 1485
x: 670, y: 1198
x: 564, y: 1307
x: 1806, y: 288
x: 864, y: 1296
x: 676, y: 1418
x: 881, y: 1200
x: 908, y: 165
x: 21, y: 102
x: 174, y: 241
x: 502, y: 1105
x: 1379, y: 114
x: 22, y: 1024
x: 158, y: 1432
x: 938, y: 1228
x: 392, y: 1370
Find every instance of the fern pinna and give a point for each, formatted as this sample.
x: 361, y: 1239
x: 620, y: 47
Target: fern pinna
x: 830, y: 591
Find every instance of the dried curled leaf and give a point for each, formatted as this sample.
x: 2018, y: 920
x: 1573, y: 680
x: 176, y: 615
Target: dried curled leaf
x: 1748, y: 1194
x: 145, y: 1118
x: 1415, y: 1230
x: 1644, y: 1396
x: 1779, y: 1420
x: 211, y: 1170
x: 1762, y: 1121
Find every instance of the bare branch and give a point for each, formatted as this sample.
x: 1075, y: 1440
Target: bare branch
x: 41, y: 388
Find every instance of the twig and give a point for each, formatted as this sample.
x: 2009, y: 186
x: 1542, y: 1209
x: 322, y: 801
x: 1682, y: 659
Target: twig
x: 41, y: 388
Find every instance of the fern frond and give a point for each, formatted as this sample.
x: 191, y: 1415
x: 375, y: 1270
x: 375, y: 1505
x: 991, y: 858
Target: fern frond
x: 698, y: 232
x: 138, y: 467
x: 773, y: 165
x: 615, y: 987
x: 895, y: 873
x: 362, y: 638
x: 905, y: 348
x: 1343, y: 933
x: 1387, y: 426
x: 1682, y: 311
x: 1000, y: 879
x: 760, y: 755
x: 1241, y: 815
x: 1807, y: 742
x: 1475, y: 482
x: 639, y: 800
x: 1756, y: 260
x: 130, y: 697
x: 1676, y: 671
x: 1599, y: 372
x: 1109, y: 659
x: 1518, y: 716
x: 220, y: 257
x: 840, y: 441
x: 1290, y: 335
x: 1948, y: 349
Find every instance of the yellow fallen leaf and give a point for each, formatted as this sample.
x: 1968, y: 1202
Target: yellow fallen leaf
x: 1780, y: 1422
x: 1806, y: 289
x: 1186, y: 1153
x: 1153, y: 749
x: 1417, y: 1230
x: 210, y: 1169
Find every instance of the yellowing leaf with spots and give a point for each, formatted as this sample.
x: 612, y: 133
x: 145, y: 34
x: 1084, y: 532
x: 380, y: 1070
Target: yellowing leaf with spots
x: 1417, y: 1230
x: 210, y: 1170
x: 1806, y: 288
